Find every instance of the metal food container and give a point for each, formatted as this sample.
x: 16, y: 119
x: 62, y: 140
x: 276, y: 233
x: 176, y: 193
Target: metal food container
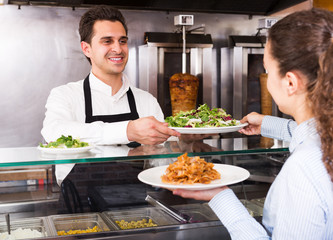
x: 259, y: 201
x: 157, y: 216
x: 198, y: 212
x: 254, y: 209
x: 67, y: 222
x: 39, y: 224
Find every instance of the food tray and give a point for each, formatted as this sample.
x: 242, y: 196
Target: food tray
x: 258, y: 201
x: 82, y: 221
x: 253, y: 209
x: 37, y: 223
x: 198, y: 212
x: 157, y: 216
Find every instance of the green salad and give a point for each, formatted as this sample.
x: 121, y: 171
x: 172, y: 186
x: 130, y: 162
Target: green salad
x: 65, y: 142
x: 202, y: 117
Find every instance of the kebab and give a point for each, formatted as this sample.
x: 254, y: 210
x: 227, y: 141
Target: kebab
x: 183, y: 86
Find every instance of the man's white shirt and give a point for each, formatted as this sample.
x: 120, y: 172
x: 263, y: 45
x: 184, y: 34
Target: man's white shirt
x: 65, y: 111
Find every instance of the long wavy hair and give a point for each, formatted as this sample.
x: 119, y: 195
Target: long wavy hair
x: 303, y: 41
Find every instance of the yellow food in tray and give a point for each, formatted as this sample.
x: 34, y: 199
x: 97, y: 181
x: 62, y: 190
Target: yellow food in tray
x: 135, y: 224
x: 79, y: 231
x: 190, y: 170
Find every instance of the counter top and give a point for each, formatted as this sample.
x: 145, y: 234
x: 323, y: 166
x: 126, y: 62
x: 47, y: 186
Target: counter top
x: 33, y: 156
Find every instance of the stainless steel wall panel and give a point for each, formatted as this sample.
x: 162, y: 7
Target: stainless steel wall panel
x: 148, y: 72
x: 159, y: 71
x: 234, y: 75
x: 226, y: 79
x: 209, y: 86
x: 39, y: 50
x: 226, y: 89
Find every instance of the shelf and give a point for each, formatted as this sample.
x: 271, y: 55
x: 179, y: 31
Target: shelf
x: 30, y: 156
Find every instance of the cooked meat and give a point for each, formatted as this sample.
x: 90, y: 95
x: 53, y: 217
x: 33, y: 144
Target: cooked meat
x: 183, y: 92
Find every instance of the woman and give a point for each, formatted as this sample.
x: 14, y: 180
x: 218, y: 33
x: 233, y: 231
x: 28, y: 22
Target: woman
x: 298, y: 58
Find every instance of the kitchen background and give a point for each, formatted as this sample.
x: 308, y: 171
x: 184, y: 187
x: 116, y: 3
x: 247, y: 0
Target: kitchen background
x: 40, y: 49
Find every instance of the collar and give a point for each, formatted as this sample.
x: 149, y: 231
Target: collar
x: 100, y: 86
x: 302, y: 132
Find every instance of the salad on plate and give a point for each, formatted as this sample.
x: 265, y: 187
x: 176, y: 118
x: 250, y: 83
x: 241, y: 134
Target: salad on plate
x: 202, y: 117
x: 65, y: 142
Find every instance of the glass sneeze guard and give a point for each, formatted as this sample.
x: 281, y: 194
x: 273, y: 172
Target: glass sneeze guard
x: 27, y: 156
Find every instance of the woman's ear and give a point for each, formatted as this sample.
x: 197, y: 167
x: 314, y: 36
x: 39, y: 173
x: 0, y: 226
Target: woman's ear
x: 85, y: 48
x: 294, y: 83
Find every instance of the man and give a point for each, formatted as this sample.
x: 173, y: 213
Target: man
x: 104, y: 108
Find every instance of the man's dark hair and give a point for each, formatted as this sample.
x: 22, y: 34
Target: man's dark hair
x: 98, y: 13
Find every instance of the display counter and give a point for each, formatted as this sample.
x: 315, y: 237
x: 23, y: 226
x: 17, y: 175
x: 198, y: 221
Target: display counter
x: 96, y: 194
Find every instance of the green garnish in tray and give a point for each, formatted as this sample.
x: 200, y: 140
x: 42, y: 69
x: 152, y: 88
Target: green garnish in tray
x: 65, y: 142
x: 202, y: 117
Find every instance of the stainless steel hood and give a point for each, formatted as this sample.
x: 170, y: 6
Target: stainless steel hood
x: 254, y: 7
x: 163, y: 39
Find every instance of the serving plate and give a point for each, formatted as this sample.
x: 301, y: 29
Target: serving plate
x: 230, y: 174
x: 65, y: 150
x: 209, y: 130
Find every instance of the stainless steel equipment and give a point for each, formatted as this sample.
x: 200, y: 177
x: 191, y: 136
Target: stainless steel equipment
x: 241, y: 66
x: 8, y: 222
x: 39, y: 224
x: 148, y: 213
x: 183, y: 218
x: 84, y: 221
x: 160, y: 58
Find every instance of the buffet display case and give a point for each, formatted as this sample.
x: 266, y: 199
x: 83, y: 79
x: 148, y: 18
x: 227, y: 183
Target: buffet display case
x: 96, y: 194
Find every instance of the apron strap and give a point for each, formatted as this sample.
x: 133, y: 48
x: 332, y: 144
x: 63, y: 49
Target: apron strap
x: 132, y: 115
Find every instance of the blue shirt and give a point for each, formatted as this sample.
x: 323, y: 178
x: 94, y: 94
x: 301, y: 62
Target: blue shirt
x: 299, y: 204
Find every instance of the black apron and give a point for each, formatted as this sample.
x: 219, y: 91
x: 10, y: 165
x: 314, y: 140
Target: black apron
x: 72, y: 192
x: 133, y: 115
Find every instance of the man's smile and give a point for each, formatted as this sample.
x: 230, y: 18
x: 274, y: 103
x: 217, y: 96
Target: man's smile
x: 116, y: 59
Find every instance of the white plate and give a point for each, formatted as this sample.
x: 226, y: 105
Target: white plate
x: 230, y: 174
x: 209, y: 130
x: 65, y: 150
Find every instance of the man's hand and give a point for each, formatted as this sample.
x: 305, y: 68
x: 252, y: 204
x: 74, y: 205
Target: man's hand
x: 195, y: 137
x: 149, y: 131
x: 254, y: 128
x: 205, y: 195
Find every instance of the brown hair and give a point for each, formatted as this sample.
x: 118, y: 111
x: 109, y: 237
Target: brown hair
x: 101, y: 12
x: 302, y: 42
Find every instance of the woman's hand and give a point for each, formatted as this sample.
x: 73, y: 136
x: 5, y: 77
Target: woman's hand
x: 205, y: 195
x: 254, y: 120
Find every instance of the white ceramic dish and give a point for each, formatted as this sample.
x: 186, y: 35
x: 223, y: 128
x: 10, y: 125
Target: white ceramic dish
x: 230, y: 174
x: 65, y: 150
x: 210, y: 130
